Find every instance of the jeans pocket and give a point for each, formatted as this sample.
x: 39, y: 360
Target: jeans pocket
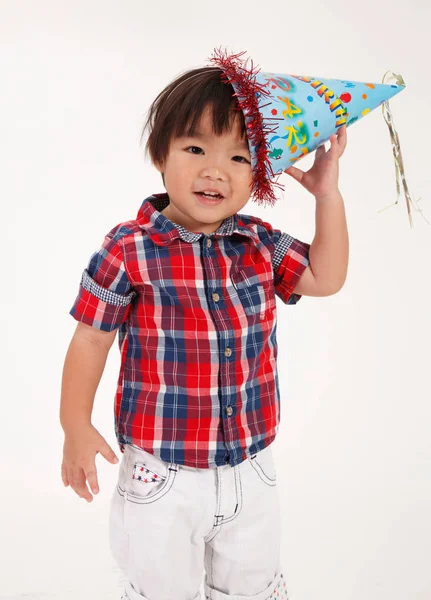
x: 264, y: 466
x: 146, y: 478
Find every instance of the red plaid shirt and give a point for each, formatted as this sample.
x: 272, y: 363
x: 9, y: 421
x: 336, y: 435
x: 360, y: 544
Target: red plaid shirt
x: 196, y: 313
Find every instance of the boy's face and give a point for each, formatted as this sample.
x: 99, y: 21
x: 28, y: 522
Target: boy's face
x: 206, y: 163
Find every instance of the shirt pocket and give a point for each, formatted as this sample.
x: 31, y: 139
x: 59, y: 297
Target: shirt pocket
x: 255, y: 291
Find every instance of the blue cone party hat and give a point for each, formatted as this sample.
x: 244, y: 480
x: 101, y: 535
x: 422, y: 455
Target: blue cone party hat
x: 289, y: 116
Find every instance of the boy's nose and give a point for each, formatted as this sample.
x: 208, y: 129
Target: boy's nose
x: 213, y: 173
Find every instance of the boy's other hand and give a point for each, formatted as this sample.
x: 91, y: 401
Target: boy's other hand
x: 79, y: 465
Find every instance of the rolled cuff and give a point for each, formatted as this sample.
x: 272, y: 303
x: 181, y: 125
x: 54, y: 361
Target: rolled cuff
x: 99, y: 307
x: 290, y: 261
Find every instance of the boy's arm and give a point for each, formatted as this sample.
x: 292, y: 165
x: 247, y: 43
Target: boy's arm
x: 329, y: 251
x: 316, y: 269
x: 83, y: 369
x: 103, y: 304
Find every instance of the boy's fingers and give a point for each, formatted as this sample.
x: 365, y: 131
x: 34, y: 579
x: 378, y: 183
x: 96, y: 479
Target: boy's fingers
x: 107, y: 452
x: 79, y: 485
x: 64, y: 474
x: 71, y: 476
x: 90, y: 473
x: 321, y: 149
x: 342, y: 140
x: 296, y: 173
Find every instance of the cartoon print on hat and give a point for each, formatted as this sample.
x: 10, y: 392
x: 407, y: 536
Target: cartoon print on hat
x: 311, y: 109
x: 289, y: 116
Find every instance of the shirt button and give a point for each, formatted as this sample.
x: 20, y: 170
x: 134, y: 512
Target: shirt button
x: 209, y: 243
x: 229, y: 411
x: 228, y: 352
x: 215, y: 297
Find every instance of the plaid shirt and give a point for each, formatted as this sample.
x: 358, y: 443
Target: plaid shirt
x: 196, y: 313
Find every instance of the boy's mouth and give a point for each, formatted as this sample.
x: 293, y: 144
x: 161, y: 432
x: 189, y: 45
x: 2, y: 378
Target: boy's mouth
x: 210, y: 197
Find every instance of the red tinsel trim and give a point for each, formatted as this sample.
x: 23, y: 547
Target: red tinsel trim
x: 248, y: 91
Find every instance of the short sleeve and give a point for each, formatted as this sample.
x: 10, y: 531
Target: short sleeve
x: 105, y: 292
x: 290, y: 259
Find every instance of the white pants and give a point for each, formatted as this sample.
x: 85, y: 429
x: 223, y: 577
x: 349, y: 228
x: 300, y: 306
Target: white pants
x: 171, y: 524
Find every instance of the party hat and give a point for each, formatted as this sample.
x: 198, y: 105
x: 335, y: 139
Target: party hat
x: 289, y: 116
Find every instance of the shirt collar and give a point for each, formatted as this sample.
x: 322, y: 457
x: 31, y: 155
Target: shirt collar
x: 163, y: 231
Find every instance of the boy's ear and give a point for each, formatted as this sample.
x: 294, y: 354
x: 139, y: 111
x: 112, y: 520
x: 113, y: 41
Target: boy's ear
x: 159, y: 166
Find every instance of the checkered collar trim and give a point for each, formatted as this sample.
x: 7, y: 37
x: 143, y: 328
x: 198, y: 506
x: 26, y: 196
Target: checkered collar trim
x: 163, y: 231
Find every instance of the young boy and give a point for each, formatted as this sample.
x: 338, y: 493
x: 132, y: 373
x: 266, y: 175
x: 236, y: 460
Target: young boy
x: 190, y: 286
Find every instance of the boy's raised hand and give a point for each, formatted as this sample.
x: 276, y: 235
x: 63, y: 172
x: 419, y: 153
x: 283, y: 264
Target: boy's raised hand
x: 79, y: 465
x: 322, y: 179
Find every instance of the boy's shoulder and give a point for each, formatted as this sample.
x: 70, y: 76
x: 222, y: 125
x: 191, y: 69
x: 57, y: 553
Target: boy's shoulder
x: 123, y: 230
x: 264, y: 230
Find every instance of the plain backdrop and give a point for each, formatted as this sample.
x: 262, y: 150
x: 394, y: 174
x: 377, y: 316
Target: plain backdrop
x: 353, y: 455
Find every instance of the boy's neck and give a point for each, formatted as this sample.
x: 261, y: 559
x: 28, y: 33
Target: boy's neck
x: 206, y: 229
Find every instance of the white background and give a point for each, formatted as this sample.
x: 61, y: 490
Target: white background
x: 353, y: 455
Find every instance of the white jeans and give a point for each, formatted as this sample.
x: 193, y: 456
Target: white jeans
x: 171, y: 524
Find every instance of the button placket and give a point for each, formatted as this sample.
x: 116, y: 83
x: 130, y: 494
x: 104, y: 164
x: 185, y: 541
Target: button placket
x: 215, y: 294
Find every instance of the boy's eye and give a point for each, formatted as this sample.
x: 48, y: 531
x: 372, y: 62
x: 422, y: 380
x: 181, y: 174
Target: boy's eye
x: 241, y: 159
x: 197, y: 150
x: 191, y: 148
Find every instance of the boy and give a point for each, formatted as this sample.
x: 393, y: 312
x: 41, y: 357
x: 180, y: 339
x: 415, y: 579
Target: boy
x: 190, y: 285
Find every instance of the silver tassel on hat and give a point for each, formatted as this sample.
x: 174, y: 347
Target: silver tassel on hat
x: 397, y: 79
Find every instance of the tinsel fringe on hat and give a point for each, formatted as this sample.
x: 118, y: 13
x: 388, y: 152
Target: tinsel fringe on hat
x: 249, y: 92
